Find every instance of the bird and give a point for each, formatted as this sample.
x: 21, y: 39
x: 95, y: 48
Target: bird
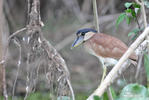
x: 108, y: 49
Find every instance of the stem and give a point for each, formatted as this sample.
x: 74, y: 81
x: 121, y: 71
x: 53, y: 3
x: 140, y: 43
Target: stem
x: 138, y: 23
x: 96, y: 21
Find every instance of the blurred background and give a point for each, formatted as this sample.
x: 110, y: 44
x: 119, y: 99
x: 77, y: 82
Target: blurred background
x: 62, y: 18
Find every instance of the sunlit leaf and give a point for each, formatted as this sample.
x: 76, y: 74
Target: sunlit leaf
x: 120, y: 19
x: 133, y: 92
x: 128, y: 4
x: 128, y: 10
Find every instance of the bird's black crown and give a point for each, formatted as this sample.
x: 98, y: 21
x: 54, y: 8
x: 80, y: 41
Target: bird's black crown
x: 85, y: 30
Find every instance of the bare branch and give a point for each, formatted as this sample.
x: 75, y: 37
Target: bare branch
x: 96, y: 15
x: 15, y: 33
x: 18, y: 66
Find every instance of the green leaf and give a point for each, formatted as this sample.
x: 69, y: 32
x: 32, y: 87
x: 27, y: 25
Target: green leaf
x: 96, y: 98
x: 133, y: 13
x: 128, y: 4
x: 120, y: 19
x: 130, y: 33
x: 128, y: 10
x: 128, y: 19
x: 105, y: 96
x: 135, y: 5
x: 134, y: 31
x: 146, y: 65
x: 133, y: 92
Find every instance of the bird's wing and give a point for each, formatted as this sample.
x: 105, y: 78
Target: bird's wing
x: 109, y: 46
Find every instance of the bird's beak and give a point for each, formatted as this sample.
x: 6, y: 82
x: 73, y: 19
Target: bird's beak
x: 77, y: 42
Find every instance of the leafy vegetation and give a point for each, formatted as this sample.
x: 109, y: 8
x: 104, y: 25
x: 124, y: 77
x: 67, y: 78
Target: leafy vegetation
x: 132, y: 9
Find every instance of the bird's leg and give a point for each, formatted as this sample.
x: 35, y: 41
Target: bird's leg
x: 104, y: 73
x: 103, y: 76
x: 104, y: 68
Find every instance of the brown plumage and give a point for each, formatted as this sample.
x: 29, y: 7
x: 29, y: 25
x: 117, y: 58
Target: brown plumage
x: 107, y: 46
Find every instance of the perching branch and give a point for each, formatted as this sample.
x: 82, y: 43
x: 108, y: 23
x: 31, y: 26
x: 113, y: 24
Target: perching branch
x: 110, y: 77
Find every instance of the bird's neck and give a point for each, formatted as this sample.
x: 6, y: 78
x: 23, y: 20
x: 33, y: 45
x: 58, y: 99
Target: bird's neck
x: 88, y: 47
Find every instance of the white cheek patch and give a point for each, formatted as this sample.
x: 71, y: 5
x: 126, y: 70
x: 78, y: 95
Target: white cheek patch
x: 88, y: 35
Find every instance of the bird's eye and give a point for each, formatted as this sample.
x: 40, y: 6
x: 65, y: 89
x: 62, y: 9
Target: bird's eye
x: 82, y: 33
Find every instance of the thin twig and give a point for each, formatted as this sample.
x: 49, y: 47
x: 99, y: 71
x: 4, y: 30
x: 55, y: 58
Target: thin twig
x: 15, y: 33
x: 27, y: 77
x: 71, y: 89
x: 8, y: 41
x: 4, y: 83
x: 138, y: 23
x: 96, y: 15
x: 110, y: 77
x: 18, y: 66
x: 96, y: 21
x: 28, y: 10
x: 139, y: 65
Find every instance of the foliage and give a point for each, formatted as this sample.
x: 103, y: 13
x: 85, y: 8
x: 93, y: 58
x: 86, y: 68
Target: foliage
x: 104, y: 97
x: 132, y: 9
x: 129, y: 92
x: 130, y: 13
x: 133, y: 92
x: 120, y: 19
x: 97, y: 97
